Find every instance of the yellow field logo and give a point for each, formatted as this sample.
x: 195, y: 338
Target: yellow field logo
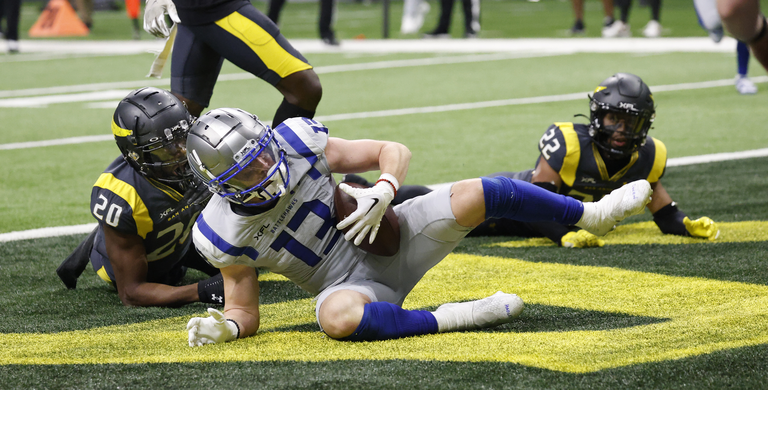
x: 667, y: 318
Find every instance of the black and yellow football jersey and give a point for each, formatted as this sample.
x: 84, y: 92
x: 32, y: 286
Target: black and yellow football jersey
x: 136, y: 205
x: 586, y: 176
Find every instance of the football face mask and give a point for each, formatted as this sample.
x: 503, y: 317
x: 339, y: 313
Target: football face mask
x: 259, y: 175
x: 167, y: 158
x: 623, y: 131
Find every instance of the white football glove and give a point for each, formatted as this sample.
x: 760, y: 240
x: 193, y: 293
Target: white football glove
x: 213, y: 329
x: 154, y: 17
x: 371, y: 205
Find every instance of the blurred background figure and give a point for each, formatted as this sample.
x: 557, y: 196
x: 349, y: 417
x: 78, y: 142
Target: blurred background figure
x: 413, y: 16
x: 744, y: 20
x: 709, y: 19
x: 578, y: 12
x: 327, y: 13
x: 471, y: 10
x: 620, y: 28
x: 11, y: 11
x: 133, y: 9
x: 85, y: 12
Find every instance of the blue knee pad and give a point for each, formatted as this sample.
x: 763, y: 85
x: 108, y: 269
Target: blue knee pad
x: 382, y: 320
x: 522, y: 201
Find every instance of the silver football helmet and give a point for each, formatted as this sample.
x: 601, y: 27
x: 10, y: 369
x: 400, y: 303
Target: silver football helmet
x: 238, y: 157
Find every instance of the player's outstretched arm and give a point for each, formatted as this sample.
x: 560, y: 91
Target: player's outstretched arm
x: 671, y: 220
x: 241, y: 310
x: 128, y: 258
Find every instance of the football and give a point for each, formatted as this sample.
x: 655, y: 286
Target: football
x: 387, y: 241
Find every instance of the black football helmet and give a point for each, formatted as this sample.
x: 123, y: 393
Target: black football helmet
x: 630, y: 102
x: 150, y: 126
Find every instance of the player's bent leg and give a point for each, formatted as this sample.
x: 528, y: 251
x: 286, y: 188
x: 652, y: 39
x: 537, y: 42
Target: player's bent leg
x: 492, y: 311
x: 302, y: 89
x: 350, y: 316
x: 193, y: 107
x: 474, y: 201
x: 741, y: 18
x: 600, y: 217
x: 341, y: 313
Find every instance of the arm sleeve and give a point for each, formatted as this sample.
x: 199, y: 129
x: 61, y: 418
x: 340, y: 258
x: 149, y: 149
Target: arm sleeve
x: 670, y: 220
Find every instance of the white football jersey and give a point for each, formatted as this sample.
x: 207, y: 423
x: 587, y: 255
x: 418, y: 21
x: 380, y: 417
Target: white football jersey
x: 298, y: 237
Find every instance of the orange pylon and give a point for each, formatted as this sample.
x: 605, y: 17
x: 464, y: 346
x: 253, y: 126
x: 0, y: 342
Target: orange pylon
x: 58, y: 19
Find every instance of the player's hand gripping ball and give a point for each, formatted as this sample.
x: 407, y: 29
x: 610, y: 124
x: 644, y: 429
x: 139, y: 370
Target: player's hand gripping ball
x: 387, y: 240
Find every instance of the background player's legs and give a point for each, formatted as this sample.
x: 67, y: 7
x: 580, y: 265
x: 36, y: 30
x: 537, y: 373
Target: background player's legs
x: 743, y: 19
x: 743, y: 84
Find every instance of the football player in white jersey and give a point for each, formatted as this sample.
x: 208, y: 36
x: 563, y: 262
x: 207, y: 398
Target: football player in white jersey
x: 273, y: 208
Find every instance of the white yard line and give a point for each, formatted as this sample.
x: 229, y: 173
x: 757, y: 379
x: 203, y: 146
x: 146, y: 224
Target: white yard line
x: 384, y: 113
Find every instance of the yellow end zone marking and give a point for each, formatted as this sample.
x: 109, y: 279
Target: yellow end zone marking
x: 703, y: 316
x: 648, y: 233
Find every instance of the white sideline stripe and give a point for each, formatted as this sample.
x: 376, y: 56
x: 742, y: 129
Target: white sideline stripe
x: 381, y: 46
x: 87, y: 228
x: 130, y: 85
x: 717, y: 157
x: 43, y: 101
x: 417, y: 110
x: 47, y: 232
x: 55, y: 142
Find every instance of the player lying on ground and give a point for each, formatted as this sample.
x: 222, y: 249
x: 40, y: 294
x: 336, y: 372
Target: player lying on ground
x: 145, y: 203
x: 587, y: 161
x: 273, y: 208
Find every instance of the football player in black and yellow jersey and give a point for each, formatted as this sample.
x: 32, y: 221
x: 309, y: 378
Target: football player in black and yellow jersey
x: 208, y: 31
x: 587, y: 161
x: 146, y: 202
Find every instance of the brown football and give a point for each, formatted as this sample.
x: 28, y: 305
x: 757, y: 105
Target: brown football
x: 387, y: 241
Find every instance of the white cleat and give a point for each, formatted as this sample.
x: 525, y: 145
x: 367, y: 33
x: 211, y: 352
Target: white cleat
x: 492, y: 311
x: 652, y: 29
x: 601, y: 217
x: 744, y: 85
x: 618, y: 29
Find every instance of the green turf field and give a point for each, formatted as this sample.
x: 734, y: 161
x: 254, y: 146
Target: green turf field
x: 646, y: 311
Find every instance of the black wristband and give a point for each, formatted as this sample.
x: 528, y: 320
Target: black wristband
x: 211, y: 290
x: 236, y: 325
x: 670, y: 220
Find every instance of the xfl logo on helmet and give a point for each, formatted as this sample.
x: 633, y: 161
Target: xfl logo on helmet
x: 627, y: 105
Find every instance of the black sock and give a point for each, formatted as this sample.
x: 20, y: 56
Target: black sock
x: 211, y: 290
x: 287, y: 110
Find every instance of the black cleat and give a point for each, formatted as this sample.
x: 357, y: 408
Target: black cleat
x: 74, y: 265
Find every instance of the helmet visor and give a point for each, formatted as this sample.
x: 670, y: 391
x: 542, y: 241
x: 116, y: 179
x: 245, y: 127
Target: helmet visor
x: 260, y: 173
x: 625, y: 130
x: 167, y: 159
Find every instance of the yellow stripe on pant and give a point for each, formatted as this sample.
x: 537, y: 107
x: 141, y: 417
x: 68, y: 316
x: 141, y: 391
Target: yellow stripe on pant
x: 274, y: 56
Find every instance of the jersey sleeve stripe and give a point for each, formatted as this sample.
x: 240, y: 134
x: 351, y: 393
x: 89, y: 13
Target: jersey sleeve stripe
x: 659, y: 161
x: 572, y: 155
x: 222, y: 244
x: 128, y: 193
x: 290, y: 136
